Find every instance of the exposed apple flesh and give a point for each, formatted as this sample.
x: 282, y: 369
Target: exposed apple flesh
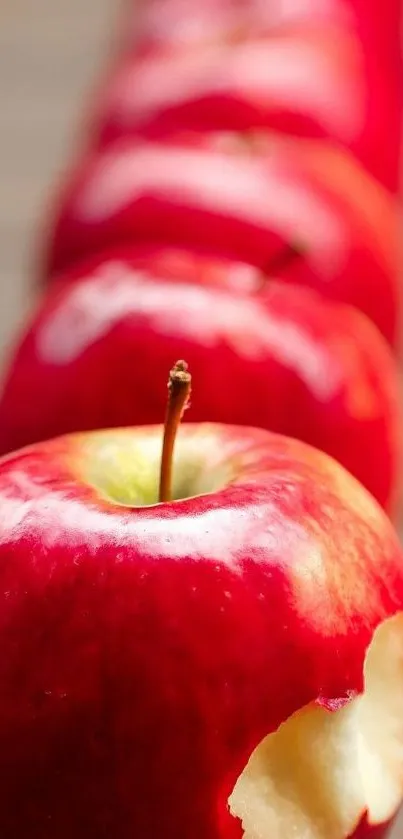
x: 287, y: 360
x: 309, y: 778
x: 147, y: 651
x: 244, y: 200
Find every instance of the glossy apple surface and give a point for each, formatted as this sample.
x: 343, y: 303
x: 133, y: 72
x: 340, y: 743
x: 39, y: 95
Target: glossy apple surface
x: 292, y: 82
x: 150, y: 653
x: 158, y: 22
x: 313, y: 82
x: 286, y: 360
x: 367, y: 83
x: 186, y: 265
x: 244, y: 200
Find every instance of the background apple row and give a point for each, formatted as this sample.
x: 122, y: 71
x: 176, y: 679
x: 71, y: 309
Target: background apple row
x: 236, y: 185
x: 230, y: 248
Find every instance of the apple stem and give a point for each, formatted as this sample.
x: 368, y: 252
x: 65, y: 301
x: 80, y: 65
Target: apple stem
x: 179, y: 385
x: 291, y: 252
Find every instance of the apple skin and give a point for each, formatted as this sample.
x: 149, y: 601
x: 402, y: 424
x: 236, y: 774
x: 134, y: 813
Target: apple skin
x: 316, y: 82
x: 286, y: 360
x: 213, y: 87
x: 161, y: 22
x: 146, y: 650
x: 180, y: 265
x: 378, y: 832
x: 244, y: 200
x: 168, y: 27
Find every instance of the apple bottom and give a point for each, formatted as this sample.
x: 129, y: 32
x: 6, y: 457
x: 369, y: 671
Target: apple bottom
x: 171, y: 669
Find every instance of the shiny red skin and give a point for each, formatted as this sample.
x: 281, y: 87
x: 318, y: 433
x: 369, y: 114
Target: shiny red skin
x: 146, y: 651
x: 318, y: 81
x: 380, y: 33
x: 161, y: 22
x: 209, y: 86
x: 378, y: 832
x: 182, y: 265
x: 173, y: 24
x: 286, y: 360
x: 244, y: 201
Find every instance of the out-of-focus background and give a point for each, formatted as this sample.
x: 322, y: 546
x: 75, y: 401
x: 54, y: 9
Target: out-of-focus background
x: 50, y: 54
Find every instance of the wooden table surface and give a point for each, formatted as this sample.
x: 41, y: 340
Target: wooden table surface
x: 50, y: 51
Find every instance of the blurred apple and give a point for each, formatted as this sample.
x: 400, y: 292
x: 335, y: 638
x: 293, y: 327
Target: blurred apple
x: 285, y: 359
x: 177, y: 669
x: 313, y: 81
x: 246, y: 199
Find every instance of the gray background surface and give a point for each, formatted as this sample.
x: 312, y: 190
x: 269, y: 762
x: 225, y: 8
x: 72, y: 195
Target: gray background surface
x: 50, y: 51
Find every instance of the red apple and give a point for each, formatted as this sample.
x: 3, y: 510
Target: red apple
x: 309, y: 81
x: 299, y: 81
x: 287, y: 360
x: 188, y: 265
x: 167, y: 668
x: 244, y: 200
x: 374, y: 98
x: 157, y: 23
x: 379, y: 29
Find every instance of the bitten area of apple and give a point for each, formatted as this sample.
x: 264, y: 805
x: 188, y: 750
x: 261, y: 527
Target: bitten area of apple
x: 322, y: 770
